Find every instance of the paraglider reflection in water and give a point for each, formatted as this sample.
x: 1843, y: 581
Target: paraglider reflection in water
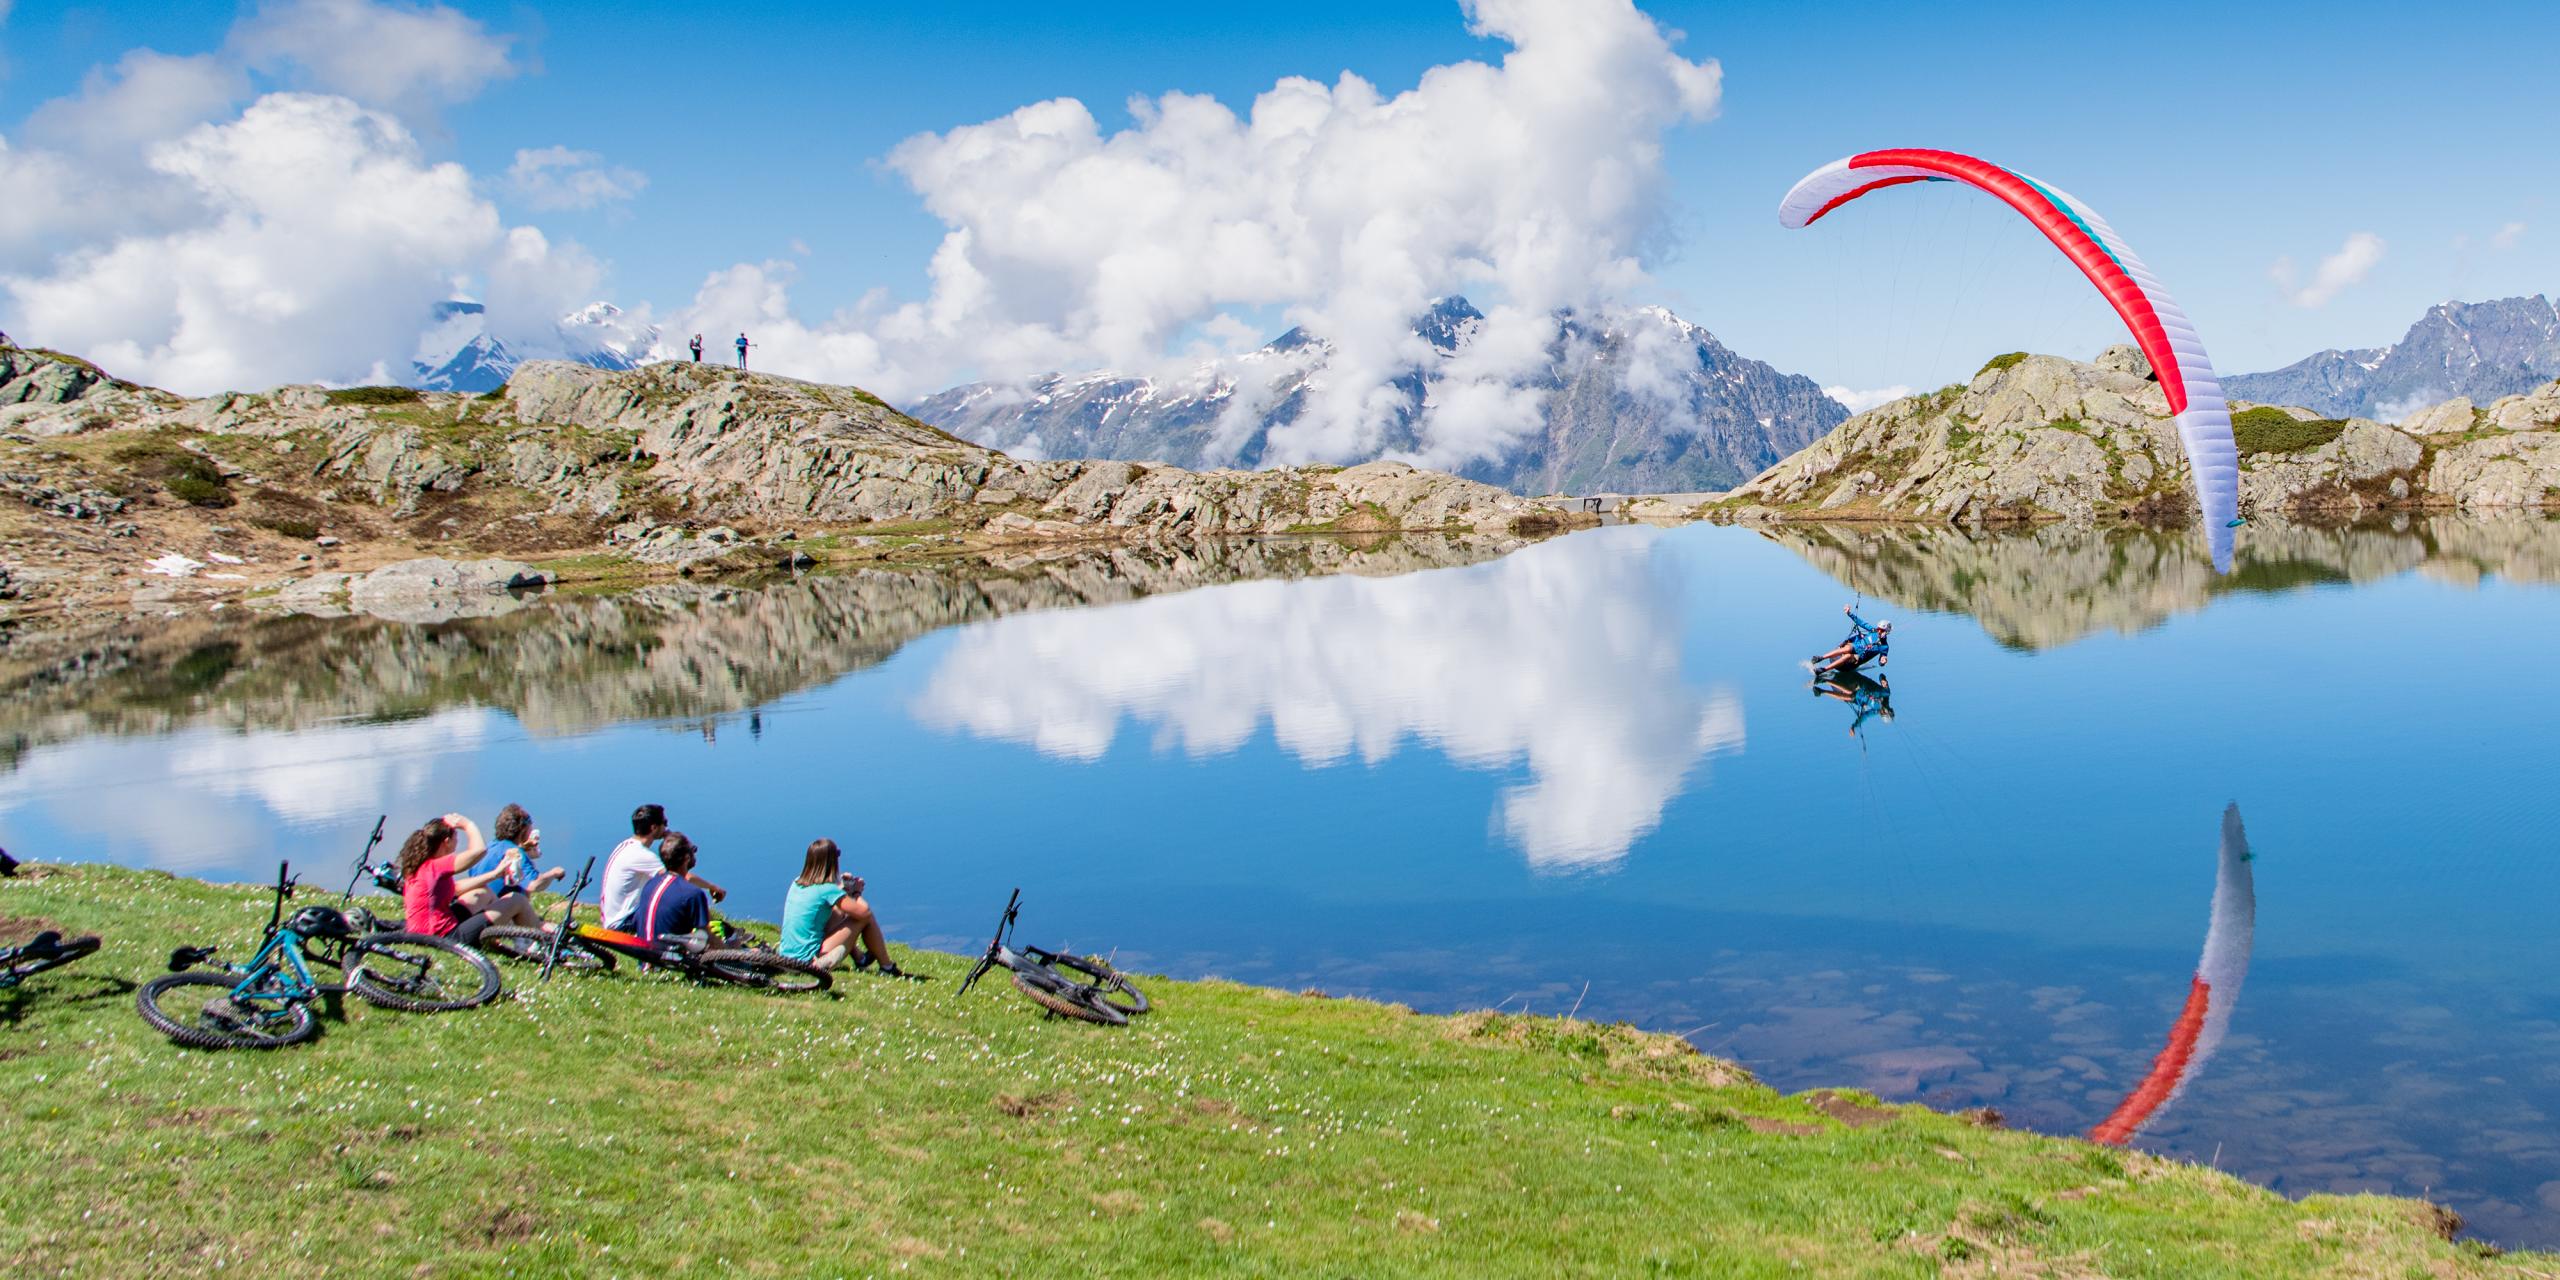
x: 2211, y: 994
x: 1867, y: 697
x: 2163, y: 332
x: 1866, y: 642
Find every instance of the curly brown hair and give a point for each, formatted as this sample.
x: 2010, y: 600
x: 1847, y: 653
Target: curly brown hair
x: 422, y: 844
x: 511, y: 825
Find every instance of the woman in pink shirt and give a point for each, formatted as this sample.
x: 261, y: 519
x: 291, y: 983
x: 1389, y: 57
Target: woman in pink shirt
x: 440, y: 893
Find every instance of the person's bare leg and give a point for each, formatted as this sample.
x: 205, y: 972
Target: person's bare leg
x: 855, y: 914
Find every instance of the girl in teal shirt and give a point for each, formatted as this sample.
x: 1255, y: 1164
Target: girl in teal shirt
x: 825, y: 918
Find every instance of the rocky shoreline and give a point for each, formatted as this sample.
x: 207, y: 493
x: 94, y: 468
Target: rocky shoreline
x: 134, y: 500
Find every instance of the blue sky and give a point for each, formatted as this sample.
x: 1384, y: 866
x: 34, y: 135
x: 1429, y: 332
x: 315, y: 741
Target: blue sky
x: 2218, y: 140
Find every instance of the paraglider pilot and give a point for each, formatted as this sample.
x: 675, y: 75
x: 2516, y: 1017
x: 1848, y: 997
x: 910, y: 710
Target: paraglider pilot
x: 1866, y: 640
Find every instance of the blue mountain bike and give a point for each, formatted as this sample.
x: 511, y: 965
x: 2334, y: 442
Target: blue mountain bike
x: 266, y: 1003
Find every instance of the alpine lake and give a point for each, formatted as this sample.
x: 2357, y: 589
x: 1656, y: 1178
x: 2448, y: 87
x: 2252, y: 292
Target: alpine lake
x: 1586, y: 776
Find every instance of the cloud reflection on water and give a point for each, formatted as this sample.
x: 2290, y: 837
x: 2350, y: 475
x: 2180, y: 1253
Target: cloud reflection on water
x: 1565, y: 656
x: 198, y: 800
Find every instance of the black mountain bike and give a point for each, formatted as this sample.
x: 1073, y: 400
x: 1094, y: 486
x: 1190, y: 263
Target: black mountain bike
x: 1069, y: 986
x: 730, y: 957
x: 266, y: 1004
x: 46, y: 950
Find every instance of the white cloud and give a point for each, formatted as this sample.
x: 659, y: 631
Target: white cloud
x: 145, y: 97
x: 2353, y: 261
x: 1527, y: 184
x: 2506, y: 236
x: 1858, y: 401
x: 400, y: 57
x: 1563, y: 659
x: 560, y: 178
x: 324, y: 239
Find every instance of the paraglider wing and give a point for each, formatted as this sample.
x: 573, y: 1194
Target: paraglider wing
x: 2159, y: 328
x: 2211, y: 994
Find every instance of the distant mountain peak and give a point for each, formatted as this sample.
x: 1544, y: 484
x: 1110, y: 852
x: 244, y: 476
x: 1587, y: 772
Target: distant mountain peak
x: 1704, y: 418
x: 2483, y: 350
x: 458, y: 353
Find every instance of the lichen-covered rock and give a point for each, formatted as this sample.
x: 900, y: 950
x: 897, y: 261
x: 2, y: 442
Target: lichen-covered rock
x: 2043, y: 437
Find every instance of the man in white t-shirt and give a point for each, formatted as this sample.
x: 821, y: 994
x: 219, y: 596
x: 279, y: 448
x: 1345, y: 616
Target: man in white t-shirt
x: 631, y: 864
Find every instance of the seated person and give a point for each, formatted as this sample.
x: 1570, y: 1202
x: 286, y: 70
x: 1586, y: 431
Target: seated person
x: 516, y: 845
x: 824, y: 916
x: 632, y: 863
x: 441, y: 894
x: 671, y: 905
x: 1866, y: 640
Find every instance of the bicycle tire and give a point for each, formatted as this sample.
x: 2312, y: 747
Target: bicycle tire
x: 1067, y: 999
x: 533, y: 946
x: 1109, y: 985
x: 432, y: 989
x: 764, y: 971
x: 62, y: 953
x: 205, y: 1029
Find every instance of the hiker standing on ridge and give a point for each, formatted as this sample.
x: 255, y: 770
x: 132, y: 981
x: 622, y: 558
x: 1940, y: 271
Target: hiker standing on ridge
x: 696, y: 347
x: 742, y: 351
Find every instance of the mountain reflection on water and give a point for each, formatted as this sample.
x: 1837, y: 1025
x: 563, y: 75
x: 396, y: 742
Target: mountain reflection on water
x: 1456, y: 780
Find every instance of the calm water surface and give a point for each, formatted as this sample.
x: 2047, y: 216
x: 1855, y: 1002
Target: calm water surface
x: 1589, y: 773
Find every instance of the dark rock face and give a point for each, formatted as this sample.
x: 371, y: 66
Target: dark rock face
x: 2479, y: 350
x: 1642, y: 402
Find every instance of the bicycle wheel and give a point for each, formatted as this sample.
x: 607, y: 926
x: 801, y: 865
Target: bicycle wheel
x: 533, y: 946
x: 197, y: 1009
x: 419, y: 973
x: 1064, y: 998
x: 765, y: 970
x: 1110, y: 986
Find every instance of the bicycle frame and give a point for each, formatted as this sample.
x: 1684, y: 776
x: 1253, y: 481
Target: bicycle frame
x: 364, y: 860
x: 275, y: 975
x: 568, y: 912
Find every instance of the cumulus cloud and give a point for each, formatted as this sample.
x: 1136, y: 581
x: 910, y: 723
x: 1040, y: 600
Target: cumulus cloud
x: 145, y: 97
x: 559, y: 178
x: 325, y: 240
x: 1527, y: 184
x: 2337, y: 272
x: 400, y: 57
x: 1562, y: 660
x: 1857, y: 401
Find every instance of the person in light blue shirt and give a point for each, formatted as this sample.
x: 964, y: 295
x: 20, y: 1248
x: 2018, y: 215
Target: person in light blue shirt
x: 1867, y: 640
x: 825, y: 917
x: 517, y: 847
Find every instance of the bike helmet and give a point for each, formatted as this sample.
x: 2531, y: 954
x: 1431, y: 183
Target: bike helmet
x: 319, y: 922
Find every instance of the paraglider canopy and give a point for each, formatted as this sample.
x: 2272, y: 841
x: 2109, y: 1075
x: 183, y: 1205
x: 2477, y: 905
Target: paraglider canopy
x: 2159, y: 328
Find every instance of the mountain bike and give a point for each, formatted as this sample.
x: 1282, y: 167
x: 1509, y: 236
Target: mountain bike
x: 554, y: 946
x: 726, y: 956
x: 266, y: 1003
x: 1103, y: 994
x: 330, y: 952
x: 46, y: 950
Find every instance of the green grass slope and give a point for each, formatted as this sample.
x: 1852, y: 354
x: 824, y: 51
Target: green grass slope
x: 636, y: 1125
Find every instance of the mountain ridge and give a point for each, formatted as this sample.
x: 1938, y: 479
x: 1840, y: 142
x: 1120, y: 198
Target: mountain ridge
x: 2480, y: 351
x: 1694, y: 416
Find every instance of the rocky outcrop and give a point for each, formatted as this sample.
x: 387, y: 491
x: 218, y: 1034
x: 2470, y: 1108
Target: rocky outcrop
x: 2039, y: 437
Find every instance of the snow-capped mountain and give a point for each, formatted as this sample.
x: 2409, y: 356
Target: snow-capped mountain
x: 458, y: 353
x: 1640, y: 402
x: 2483, y: 350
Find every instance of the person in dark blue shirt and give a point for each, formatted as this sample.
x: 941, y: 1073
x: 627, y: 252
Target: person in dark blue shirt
x: 670, y: 905
x: 1866, y: 641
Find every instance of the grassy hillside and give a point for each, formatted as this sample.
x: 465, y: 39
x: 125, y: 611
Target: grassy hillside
x: 640, y: 1126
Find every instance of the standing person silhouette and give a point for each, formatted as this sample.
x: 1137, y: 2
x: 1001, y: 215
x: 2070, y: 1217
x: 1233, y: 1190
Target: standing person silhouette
x: 696, y: 347
x: 742, y: 351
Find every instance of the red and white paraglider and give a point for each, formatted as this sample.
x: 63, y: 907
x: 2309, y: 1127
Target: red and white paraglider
x: 2159, y: 328
x: 2211, y: 994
